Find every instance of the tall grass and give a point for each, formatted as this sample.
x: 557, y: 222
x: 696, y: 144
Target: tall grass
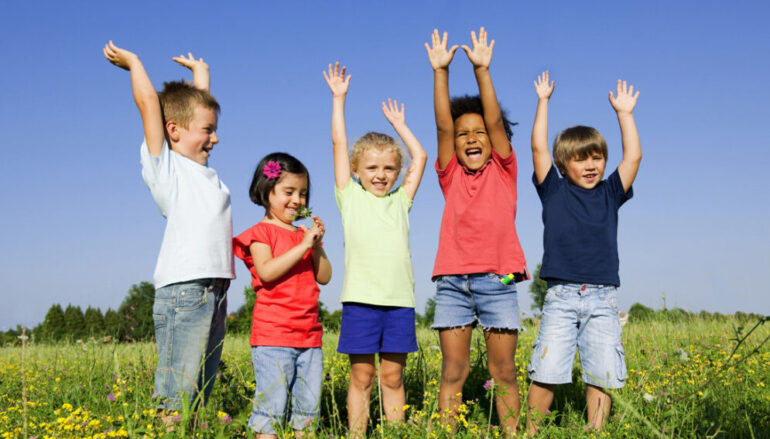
x: 702, y: 378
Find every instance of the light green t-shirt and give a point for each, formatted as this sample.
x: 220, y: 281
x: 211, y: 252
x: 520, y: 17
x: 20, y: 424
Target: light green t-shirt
x: 378, y: 265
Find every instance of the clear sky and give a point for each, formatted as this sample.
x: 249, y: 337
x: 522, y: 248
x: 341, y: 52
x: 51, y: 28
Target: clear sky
x: 79, y: 226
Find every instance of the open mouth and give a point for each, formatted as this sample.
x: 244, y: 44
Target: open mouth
x: 473, y: 153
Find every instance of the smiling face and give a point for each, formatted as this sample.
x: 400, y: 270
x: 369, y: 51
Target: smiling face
x: 472, y: 144
x: 586, y: 171
x: 377, y: 170
x: 197, y: 139
x: 287, y: 196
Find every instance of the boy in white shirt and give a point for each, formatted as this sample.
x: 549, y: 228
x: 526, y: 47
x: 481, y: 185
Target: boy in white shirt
x: 195, y: 263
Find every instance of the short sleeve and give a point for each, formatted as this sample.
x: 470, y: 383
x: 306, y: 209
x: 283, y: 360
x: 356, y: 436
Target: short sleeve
x: 445, y: 175
x: 342, y: 195
x: 404, y: 198
x: 242, y: 242
x: 159, y: 174
x: 549, y: 184
x: 615, y: 188
x: 508, y: 164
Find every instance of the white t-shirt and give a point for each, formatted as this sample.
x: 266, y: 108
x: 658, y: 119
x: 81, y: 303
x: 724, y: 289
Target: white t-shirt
x: 198, y: 241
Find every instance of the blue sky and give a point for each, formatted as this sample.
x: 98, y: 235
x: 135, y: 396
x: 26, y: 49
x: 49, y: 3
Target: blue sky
x: 79, y: 226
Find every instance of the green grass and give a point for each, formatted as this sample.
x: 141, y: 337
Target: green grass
x: 682, y: 382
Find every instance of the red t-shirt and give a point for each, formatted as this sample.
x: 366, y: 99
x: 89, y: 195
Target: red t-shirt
x: 478, y: 228
x: 286, y: 310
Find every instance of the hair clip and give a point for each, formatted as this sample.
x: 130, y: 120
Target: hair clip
x: 272, y: 170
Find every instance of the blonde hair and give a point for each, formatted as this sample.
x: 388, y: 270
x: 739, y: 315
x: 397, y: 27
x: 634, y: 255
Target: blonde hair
x: 178, y: 100
x: 577, y: 142
x: 379, y: 141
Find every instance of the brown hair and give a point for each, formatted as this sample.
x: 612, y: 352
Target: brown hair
x: 577, y: 141
x: 179, y: 99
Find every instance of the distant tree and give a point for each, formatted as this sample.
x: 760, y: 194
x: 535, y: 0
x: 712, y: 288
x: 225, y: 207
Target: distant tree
x: 331, y: 321
x: 430, y: 313
x: 94, y: 322
x: 53, y: 325
x: 136, y: 313
x: 640, y: 313
x: 74, y: 322
x: 113, y: 324
x: 239, y: 322
x: 538, y: 288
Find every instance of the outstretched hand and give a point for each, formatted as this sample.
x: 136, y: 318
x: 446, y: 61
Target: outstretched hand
x: 626, y: 99
x: 336, y: 79
x: 392, y: 113
x: 438, y: 54
x: 544, y: 86
x: 119, y: 57
x: 481, y: 54
x: 190, y: 62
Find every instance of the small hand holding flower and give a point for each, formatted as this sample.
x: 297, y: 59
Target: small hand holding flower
x: 119, y: 57
x: 544, y: 86
x: 438, y: 54
x: 336, y: 79
x: 314, y: 234
x: 481, y: 55
x: 626, y: 99
x: 393, y: 114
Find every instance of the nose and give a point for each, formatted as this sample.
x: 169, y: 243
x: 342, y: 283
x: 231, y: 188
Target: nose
x: 214, y: 138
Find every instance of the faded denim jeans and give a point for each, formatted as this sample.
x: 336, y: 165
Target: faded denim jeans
x: 189, y: 330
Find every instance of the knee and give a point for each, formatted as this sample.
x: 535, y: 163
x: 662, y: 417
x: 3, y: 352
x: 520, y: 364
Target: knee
x: 503, y: 371
x: 392, y: 380
x: 361, y: 380
x: 455, y: 371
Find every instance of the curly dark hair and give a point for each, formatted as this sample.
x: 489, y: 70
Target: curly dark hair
x: 261, y: 185
x: 460, y: 105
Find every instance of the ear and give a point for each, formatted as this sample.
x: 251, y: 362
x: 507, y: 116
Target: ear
x: 172, y: 130
x: 355, y: 174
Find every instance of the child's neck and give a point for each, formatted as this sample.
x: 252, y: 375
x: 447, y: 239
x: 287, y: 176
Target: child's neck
x: 276, y: 222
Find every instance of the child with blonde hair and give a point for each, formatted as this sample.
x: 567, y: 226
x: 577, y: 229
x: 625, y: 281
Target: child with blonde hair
x: 286, y: 263
x: 478, y: 244
x: 378, y: 291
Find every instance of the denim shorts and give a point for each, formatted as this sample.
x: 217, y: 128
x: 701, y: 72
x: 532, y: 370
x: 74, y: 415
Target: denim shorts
x: 582, y: 317
x: 280, y: 372
x: 189, y: 330
x: 468, y: 299
x: 371, y: 329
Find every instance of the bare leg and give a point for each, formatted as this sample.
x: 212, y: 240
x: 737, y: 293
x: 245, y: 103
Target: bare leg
x: 598, y: 403
x: 266, y: 436
x: 362, y: 373
x: 392, y: 382
x: 455, y: 366
x: 501, y: 351
x: 539, y: 400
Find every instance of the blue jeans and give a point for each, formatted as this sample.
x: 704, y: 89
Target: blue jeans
x: 280, y: 371
x: 467, y: 299
x: 582, y: 317
x: 189, y: 331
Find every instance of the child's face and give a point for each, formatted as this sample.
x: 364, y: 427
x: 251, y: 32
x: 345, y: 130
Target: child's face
x: 196, y: 141
x: 287, y: 196
x: 472, y: 144
x: 586, y: 172
x: 377, y: 170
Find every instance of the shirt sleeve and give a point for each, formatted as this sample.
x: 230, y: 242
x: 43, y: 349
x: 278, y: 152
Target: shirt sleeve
x: 508, y: 164
x: 615, y: 186
x: 549, y: 184
x: 445, y: 175
x: 404, y: 198
x: 159, y: 174
x: 343, y: 195
x: 242, y: 243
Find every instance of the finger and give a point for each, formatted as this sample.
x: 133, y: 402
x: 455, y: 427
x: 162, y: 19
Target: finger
x: 473, y: 39
x: 342, y: 73
x: 612, y: 98
x: 402, y: 110
x: 303, y: 228
x: 636, y: 95
x: 631, y: 90
x: 325, y: 76
x: 427, y: 48
x: 466, y: 49
x: 336, y: 68
x: 492, y: 44
x: 191, y: 56
x: 444, y: 40
x: 453, y: 49
x: 483, y: 36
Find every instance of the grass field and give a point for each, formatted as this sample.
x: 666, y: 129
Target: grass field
x: 698, y: 379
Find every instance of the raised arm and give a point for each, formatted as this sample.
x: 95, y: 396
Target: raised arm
x: 397, y: 118
x: 200, y: 70
x: 540, y: 154
x: 440, y: 58
x: 338, y: 84
x: 624, y: 105
x: 145, y: 96
x: 480, y: 56
x: 271, y: 268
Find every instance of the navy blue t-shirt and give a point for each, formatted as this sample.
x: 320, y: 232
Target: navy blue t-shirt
x: 580, y: 240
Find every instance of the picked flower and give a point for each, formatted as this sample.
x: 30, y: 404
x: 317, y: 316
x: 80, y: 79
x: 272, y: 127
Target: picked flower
x: 304, y: 212
x: 489, y: 384
x: 272, y: 170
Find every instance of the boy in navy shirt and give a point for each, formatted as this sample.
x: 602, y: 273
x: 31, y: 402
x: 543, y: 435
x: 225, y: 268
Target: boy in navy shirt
x: 580, y: 259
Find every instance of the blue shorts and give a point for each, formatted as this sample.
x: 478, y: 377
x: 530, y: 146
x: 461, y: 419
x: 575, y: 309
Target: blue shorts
x: 582, y: 317
x: 468, y: 299
x: 371, y: 329
x: 280, y: 372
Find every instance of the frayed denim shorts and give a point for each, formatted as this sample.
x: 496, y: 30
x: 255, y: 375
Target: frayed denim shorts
x: 281, y: 372
x: 582, y: 317
x: 470, y: 299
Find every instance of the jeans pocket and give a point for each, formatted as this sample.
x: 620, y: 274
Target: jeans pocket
x: 621, y: 362
x: 160, y: 321
x: 191, y: 298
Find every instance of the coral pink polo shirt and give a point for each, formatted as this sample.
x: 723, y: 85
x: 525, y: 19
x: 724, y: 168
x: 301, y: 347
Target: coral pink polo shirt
x: 286, y: 310
x: 478, y: 228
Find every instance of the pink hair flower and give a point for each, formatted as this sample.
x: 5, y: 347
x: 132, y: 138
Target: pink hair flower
x: 272, y: 170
